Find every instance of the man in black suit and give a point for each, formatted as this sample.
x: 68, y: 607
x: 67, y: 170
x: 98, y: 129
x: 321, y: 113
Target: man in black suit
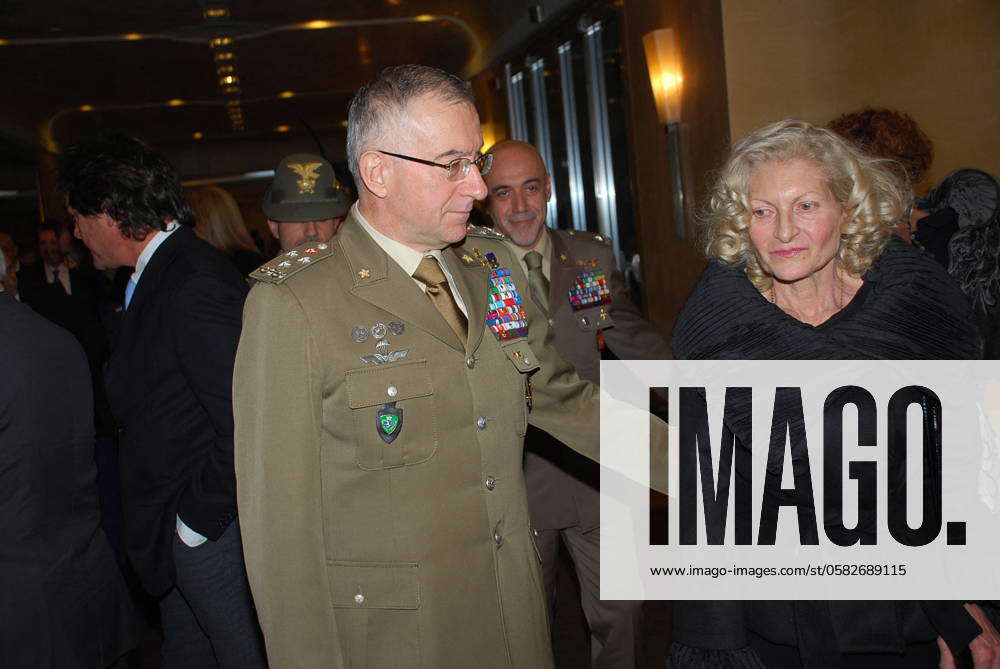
x: 63, y: 601
x: 64, y: 293
x: 169, y: 381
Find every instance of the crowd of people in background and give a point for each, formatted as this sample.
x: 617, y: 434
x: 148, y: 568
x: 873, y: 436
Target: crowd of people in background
x: 259, y: 480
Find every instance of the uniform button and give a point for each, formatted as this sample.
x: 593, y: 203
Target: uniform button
x: 359, y: 598
x: 536, y: 532
x: 391, y: 391
x: 497, y: 538
x: 552, y: 322
x: 470, y: 362
x: 481, y: 422
x: 527, y: 362
x: 491, y: 483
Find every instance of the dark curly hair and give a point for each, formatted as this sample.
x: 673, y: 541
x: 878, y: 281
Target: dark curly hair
x: 120, y: 176
x: 887, y: 133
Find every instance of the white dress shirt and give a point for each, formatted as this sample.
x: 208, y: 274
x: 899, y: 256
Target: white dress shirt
x: 63, y: 267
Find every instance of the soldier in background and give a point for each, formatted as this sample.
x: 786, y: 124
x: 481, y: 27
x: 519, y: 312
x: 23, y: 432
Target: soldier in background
x: 573, y: 276
x: 305, y: 202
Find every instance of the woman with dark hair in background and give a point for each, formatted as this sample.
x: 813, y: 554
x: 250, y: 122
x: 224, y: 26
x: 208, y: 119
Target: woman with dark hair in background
x: 218, y: 221
x: 805, y: 266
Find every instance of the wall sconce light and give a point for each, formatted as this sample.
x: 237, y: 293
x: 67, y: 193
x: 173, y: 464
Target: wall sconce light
x: 489, y: 135
x: 665, y: 78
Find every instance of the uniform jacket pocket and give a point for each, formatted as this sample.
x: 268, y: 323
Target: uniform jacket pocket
x: 394, y: 413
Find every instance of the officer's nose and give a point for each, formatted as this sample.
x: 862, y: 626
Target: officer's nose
x: 473, y: 184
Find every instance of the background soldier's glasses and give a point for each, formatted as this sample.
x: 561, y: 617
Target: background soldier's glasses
x: 457, y: 169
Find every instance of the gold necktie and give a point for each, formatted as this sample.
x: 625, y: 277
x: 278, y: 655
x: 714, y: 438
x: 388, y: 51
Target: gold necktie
x: 429, y: 273
x: 537, y: 282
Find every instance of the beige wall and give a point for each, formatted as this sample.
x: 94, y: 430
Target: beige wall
x: 937, y: 60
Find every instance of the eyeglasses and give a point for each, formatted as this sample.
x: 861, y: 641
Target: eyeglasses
x: 457, y: 169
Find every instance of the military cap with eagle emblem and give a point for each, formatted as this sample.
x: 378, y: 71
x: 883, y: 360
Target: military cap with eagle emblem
x: 305, y: 188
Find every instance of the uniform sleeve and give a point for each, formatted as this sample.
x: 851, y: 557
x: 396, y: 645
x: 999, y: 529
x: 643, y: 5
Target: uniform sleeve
x: 632, y: 337
x: 278, y: 416
x: 568, y: 407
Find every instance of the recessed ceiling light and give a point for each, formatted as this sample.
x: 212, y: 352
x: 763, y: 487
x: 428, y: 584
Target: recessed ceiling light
x: 282, y: 128
x: 197, y: 135
x: 318, y: 24
x: 423, y: 17
x: 86, y: 108
x: 176, y: 102
x: 286, y: 94
x: 131, y: 37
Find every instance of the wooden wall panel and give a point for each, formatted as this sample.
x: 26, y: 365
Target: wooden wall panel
x: 671, y: 265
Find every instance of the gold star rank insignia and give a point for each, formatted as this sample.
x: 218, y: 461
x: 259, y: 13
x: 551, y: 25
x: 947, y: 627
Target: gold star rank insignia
x: 364, y: 273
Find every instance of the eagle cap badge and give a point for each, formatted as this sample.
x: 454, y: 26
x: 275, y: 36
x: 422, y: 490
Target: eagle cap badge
x: 308, y: 176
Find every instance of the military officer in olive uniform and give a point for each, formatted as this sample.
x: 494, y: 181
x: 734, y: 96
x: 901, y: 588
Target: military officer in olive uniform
x: 305, y: 202
x: 381, y: 401
x: 573, y: 276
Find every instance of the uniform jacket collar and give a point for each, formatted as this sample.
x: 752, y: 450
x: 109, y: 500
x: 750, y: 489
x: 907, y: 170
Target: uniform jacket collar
x: 377, y: 279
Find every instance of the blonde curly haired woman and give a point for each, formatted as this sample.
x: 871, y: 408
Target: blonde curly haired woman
x: 804, y: 265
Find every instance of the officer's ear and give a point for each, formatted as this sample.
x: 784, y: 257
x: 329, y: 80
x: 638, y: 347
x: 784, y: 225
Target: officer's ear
x: 548, y: 187
x: 273, y: 225
x: 373, y: 168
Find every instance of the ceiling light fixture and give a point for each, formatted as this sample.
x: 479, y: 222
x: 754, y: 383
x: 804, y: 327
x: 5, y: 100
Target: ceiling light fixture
x: 197, y: 135
x: 86, y: 108
x: 176, y: 102
x: 282, y: 128
x: 131, y: 37
x: 318, y: 25
x: 286, y: 94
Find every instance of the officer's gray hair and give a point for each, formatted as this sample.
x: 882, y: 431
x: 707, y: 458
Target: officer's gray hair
x: 385, y: 98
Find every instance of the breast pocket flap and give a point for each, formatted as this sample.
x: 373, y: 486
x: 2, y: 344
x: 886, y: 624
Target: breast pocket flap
x: 591, y: 320
x: 520, y: 354
x: 377, y: 384
x: 375, y: 585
